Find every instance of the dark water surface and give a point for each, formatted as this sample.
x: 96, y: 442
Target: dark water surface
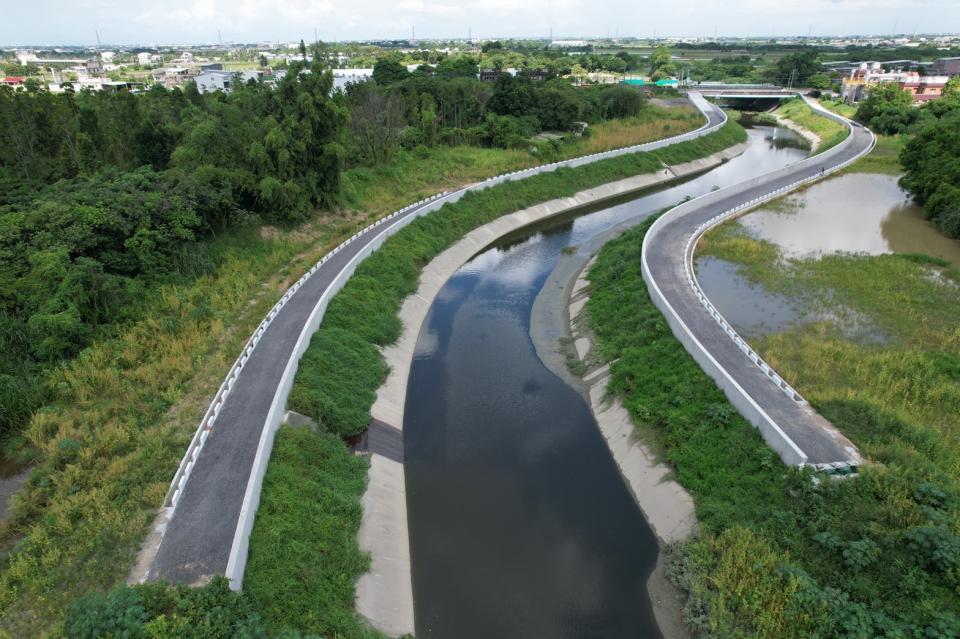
x: 521, y: 526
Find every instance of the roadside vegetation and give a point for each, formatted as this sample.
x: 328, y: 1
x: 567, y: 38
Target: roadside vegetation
x: 780, y: 555
x: 304, y: 561
x: 341, y: 370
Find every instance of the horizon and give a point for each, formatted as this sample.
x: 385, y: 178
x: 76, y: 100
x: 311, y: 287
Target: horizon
x: 475, y: 39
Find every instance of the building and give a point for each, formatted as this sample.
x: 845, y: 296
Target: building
x: 219, y: 80
x: 946, y: 66
x: 94, y: 66
x: 172, y: 77
x: 923, y: 88
x: 14, y: 82
x: 343, y: 77
x: 490, y: 75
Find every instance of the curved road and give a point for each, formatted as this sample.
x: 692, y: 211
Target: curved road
x: 786, y: 421
x: 205, y: 525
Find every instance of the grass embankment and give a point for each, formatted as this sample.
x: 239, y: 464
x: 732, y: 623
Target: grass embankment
x: 309, y: 514
x: 119, y: 416
x: 778, y: 555
x: 342, y: 369
x: 412, y: 175
x: 838, y: 107
x: 884, y: 158
x: 830, y: 132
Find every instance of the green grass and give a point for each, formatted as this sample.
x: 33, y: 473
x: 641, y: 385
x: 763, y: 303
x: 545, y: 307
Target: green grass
x: 840, y: 108
x: 412, y: 175
x: 304, y: 560
x: 362, y: 318
x: 830, y: 132
x: 780, y: 556
x: 884, y: 158
x: 118, y: 417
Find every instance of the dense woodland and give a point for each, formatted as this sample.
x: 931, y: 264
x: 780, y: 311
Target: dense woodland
x: 103, y: 196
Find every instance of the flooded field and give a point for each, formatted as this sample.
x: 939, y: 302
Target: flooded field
x: 854, y: 213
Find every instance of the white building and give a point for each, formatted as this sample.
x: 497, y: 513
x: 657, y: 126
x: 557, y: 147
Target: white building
x: 343, y: 77
x: 216, y: 80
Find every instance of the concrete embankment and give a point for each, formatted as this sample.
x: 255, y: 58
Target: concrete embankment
x: 384, y: 595
x: 805, y: 133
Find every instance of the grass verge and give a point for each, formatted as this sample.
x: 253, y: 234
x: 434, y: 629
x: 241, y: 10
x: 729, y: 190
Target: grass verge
x: 307, y: 522
x: 362, y: 318
x: 884, y: 158
x: 779, y: 555
x: 830, y: 132
x: 119, y: 416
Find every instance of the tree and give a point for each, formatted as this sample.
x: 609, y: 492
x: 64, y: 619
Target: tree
x: 661, y: 64
x: 376, y: 122
x: 796, y: 68
x: 460, y: 66
x: 389, y: 71
x: 819, y: 81
x: 303, y: 50
x: 887, y: 109
x: 931, y: 162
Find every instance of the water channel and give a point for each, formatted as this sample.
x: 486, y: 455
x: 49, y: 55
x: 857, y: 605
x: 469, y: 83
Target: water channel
x: 520, y: 523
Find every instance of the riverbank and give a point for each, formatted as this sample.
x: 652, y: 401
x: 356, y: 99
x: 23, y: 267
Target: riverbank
x: 384, y: 527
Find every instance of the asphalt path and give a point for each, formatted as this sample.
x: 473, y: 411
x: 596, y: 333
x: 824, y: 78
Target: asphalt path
x: 666, y: 258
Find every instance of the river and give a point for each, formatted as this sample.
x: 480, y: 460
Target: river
x: 520, y: 523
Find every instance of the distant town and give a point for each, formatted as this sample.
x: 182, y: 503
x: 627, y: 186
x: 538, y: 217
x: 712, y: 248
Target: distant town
x: 922, y: 66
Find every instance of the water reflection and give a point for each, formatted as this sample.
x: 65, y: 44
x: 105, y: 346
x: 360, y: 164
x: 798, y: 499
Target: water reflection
x: 750, y: 308
x: 855, y: 213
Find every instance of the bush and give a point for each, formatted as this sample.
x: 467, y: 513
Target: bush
x: 158, y: 611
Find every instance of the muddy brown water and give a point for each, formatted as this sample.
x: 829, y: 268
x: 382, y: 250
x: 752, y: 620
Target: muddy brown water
x: 853, y: 213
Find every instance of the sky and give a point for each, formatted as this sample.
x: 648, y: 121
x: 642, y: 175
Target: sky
x: 198, y: 21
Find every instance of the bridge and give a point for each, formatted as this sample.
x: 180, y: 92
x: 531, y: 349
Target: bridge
x: 746, y: 91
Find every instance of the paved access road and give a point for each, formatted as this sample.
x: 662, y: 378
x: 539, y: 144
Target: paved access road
x: 665, y: 268
x: 210, y: 523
